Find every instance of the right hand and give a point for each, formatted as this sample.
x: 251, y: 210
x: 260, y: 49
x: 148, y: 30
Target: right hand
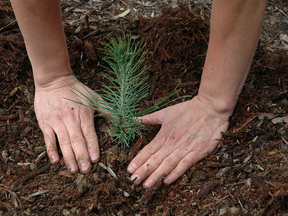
x: 71, y: 122
x: 189, y: 132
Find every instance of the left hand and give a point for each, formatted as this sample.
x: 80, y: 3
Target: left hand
x: 190, y: 130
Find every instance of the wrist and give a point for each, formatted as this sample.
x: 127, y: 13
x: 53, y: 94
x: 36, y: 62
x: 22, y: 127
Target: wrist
x: 63, y: 81
x: 218, y: 104
x: 50, y: 71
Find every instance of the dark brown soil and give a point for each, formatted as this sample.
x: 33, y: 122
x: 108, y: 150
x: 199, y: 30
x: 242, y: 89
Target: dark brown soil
x: 246, y: 175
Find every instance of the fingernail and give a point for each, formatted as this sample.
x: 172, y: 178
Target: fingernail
x: 135, y: 178
x: 167, y: 180
x: 149, y: 183
x: 53, y: 159
x: 73, y: 168
x: 132, y: 168
x: 85, y: 167
x: 94, y: 157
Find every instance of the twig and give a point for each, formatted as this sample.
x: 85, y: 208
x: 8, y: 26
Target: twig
x: 8, y: 25
x: 38, y: 193
x: 281, y: 11
x: 273, y: 38
x: 31, y: 175
x: 14, y: 197
x: 222, y: 199
x: 39, y: 158
x: 204, y: 38
x: 109, y: 170
x: 242, y: 206
x: 245, y: 123
x: 230, y: 195
x: 284, y: 140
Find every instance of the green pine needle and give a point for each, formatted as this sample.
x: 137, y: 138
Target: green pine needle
x: 127, y: 88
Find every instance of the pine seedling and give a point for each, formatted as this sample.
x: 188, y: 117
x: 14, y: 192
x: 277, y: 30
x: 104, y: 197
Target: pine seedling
x: 127, y: 87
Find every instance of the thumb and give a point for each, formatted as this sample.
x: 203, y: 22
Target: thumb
x: 153, y: 118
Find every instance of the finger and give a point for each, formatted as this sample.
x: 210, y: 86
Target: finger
x: 78, y: 144
x: 50, y: 141
x: 88, y: 130
x: 153, y: 118
x: 147, y: 152
x: 183, y: 166
x: 168, y: 163
x: 65, y: 146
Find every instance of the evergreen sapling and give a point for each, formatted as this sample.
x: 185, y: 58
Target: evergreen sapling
x: 127, y: 87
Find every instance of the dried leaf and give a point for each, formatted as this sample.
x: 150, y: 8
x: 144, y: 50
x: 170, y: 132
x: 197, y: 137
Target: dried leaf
x: 122, y: 14
x: 277, y: 120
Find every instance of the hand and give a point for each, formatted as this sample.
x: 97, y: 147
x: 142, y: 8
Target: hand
x: 71, y: 122
x: 189, y: 131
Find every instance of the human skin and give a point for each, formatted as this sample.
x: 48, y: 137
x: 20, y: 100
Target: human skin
x: 41, y: 26
x: 189, y: 130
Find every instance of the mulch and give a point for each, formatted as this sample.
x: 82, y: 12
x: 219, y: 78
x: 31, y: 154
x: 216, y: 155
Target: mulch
x: 246, y: 175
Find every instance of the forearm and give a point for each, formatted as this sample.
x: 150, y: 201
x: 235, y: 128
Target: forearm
x: 235, y: 29
x: 41, y: 26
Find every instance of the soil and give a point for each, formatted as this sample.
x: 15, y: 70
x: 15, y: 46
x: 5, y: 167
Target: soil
x: 246, y: 175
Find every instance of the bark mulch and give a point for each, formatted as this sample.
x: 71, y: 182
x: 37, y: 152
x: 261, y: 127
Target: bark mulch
x: 246, y: 175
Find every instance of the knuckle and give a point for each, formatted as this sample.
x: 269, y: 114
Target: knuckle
x: 69, y: 159
x: 76, y: 139
x: 90, y: 134
x: 81, y: 158
x: 187, y: 162
x: 175, y: 173
x: 64, y: 141
x: 48, y: 137
x: 86, y: 113
x: 150, y: 149
x: 169, y: 162
x: 156, y: 159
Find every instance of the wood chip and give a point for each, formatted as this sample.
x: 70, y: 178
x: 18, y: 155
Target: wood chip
x: 272, y: 152
x: 66, y: 173
x: 13, y: 92
x: 30, y: 122
x: 28, y: 151
x: 148, y: 196
x: 4, y: 112
x: 208, y: 188
x: 222, y: 172
x: 8, y: 117
x: 245, y: 123
x: 247, y: 158
x: 256, y: 180
x: 136, y: 146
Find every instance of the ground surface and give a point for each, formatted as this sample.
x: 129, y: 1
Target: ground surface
x: 246, y: 175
